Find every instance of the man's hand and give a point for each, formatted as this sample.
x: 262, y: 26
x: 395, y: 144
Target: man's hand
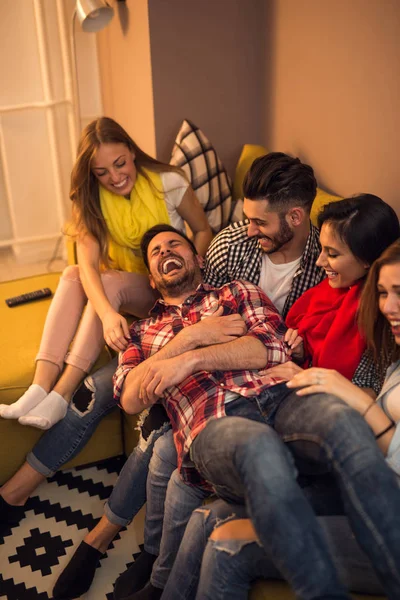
x: 285, y: 371
x: 295, y: 343
x: 161, y: 375
x: 215, y: 329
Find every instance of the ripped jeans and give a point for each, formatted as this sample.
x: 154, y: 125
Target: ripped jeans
x: 225, y: 569
x: 94, y: 400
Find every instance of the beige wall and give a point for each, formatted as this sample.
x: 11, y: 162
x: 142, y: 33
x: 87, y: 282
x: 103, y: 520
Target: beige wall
x: 335, y: 88
x: 314, y: 78
x: 164, y: 61
x: 125, y: 71
x: 208, y: 66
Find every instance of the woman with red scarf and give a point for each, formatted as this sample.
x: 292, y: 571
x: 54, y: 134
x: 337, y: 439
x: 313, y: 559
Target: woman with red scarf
x: 322, y: 332
x: 322, y: 324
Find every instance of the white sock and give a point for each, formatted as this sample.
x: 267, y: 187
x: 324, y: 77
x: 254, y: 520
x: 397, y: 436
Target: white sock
x: 51, y: 410
x: 32, y: 397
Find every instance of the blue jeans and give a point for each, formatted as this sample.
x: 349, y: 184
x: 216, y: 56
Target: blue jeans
x: 169, y: 505
x: 324, y: 432
x: 93, y: 401
x: 162, y: 465
x: 247, y: 464
x: 129, y: 492
x: 182, y: 499
x: 229, y: 567
x: 180, y: 502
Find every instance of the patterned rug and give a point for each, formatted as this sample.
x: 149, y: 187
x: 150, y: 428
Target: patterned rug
x: 57, y: 518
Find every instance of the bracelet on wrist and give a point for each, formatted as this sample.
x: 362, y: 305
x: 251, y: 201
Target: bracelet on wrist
x: 370, y: 405
x: 388, y: 428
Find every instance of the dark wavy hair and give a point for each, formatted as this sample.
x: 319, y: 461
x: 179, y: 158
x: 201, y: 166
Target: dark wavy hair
x: 365, y: 223
x: 371, y: 321
x: 155, y: 230
x: 282, y: 180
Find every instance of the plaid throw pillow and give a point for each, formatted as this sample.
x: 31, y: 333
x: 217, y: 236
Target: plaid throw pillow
x: 194, y: 153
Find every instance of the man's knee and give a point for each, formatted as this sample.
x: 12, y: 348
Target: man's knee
x: 164, y: 452
x: 322, y: 426
x: 335, y: 418
x: 316, y: 415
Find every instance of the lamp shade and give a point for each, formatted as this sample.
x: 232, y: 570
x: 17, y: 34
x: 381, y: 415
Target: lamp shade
x: 93, y: 15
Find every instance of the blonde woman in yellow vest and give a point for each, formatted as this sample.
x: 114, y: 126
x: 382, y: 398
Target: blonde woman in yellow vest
x: 118, y: 192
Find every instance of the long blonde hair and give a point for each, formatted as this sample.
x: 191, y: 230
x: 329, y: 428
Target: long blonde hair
x: 84, y: 191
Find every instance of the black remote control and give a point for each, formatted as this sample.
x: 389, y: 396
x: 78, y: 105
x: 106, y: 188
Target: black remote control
x: 30, y: 297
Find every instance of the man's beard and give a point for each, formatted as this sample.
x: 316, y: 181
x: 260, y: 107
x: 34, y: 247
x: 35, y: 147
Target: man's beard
x: 284, y: 235
x: 187, y: 281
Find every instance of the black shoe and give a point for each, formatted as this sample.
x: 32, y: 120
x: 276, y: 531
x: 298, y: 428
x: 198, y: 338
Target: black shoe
x: 10, y: 516
x: 79, y: 573
x: 149, y: 592
x: 135, y: 577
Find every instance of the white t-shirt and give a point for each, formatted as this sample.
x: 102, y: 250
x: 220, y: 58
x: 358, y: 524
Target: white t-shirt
x: 174, y: 186
x: 276, y: 280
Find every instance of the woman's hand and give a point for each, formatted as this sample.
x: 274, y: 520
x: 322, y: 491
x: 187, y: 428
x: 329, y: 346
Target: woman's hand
x: 285, y: 371
x: 295, y: 343
x: 316, y: 381
x: 115, y: 330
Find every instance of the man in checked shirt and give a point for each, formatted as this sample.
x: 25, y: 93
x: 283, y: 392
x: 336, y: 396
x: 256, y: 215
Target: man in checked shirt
x: 277, y: 250
x: 203, y: 354
x: 276, y: 247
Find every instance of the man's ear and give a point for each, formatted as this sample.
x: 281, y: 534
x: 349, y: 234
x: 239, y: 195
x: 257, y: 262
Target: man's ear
x: 200, y: 261
x: 151, y: 280
x: 296, y: 216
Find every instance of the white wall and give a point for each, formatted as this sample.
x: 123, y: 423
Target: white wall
x: 37, y: 133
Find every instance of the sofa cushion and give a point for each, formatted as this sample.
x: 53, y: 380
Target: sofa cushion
x: 248, y: 155
x: 196, y: 156
x: 321, y: 198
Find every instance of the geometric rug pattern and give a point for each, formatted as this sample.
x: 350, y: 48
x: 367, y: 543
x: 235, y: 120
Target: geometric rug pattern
x: 57, y: 518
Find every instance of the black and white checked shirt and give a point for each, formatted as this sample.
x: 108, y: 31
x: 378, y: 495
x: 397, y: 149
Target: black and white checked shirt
x: 233, y: 255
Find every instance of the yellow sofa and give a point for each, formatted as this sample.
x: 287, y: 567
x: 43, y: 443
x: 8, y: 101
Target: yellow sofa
x: 22, y: 327
x: 21, y: 330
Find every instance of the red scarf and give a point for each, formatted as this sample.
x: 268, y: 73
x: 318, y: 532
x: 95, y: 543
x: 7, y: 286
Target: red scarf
x: 326, y: 318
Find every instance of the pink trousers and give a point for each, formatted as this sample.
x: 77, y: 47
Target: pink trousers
x: 129, y: 292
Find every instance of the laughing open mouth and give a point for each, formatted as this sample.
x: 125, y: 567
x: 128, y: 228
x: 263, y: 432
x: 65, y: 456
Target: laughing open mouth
x: 171, y: 264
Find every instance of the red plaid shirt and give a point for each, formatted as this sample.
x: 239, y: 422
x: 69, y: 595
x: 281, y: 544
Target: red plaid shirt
x: 201, y: 396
